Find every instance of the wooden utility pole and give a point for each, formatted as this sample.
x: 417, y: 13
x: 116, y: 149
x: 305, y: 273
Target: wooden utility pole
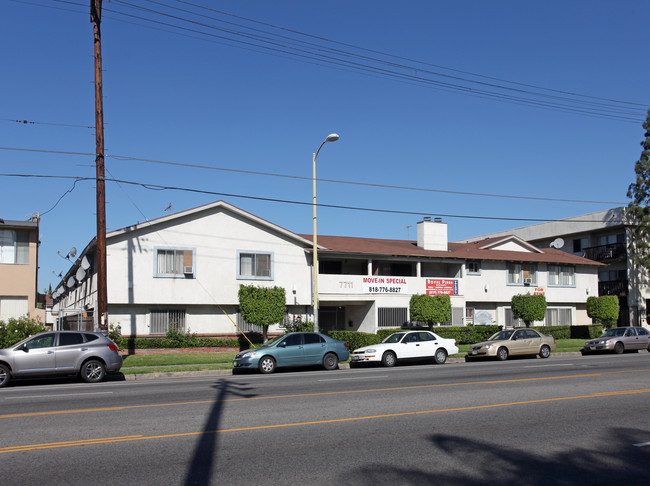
x: 102, y: 300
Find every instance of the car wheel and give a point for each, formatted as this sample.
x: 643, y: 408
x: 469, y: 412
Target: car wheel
x: 5, y: 376
x: 544, y: 352
x: 93, y: 371
x: 388, y: 359
x: 266, y: 365
x: 440, y: 356
x: 502, y: 354
x: 330, y: 361
x: 619, y: 348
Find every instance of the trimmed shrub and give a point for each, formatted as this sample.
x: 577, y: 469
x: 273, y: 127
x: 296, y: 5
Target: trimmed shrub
x: 528, y: 308
x: 430, y: 309
x: 15, y: 330
x: 604, y: 309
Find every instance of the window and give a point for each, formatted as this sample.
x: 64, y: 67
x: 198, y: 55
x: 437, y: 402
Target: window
x: 70, y: 338
x: 255, y: 265
x: 393, y: 316
x: 292, y: 340
x: 14, y: 247
x: 44, y: 341
x: 313, y: 339
x: 164, y: 320
x: 174, y: 262
x: 12, y: 307
x: 473, y: 268
x: 580, y: 244
x: 522, y: 274
x: 561, y: 276
x: 560, y: 316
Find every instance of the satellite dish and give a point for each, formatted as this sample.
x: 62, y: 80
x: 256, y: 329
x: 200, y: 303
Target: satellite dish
x: 73, y: 252
x: 557, y: 243
x: 81, y: 274
x: 71, y: 282
x: 85, y: 264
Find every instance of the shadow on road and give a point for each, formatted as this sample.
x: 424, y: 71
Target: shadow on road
x: 205, y: 453
x: 462, y: 460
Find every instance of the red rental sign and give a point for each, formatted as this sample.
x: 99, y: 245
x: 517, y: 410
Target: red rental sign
x: 442, y: 286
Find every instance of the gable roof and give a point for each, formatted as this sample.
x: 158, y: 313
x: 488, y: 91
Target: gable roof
x: 210, y: 207
x: 480, y: 250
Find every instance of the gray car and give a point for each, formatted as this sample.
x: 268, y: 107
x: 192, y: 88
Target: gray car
x: 87, y: 354
x: 619, y: 339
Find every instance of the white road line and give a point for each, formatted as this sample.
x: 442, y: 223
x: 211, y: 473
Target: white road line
x: 550, y: 365
x: 355, y: 379
x: 50, y: 396
x: 642, y: 444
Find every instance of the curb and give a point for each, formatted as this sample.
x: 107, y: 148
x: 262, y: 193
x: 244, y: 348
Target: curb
x: 229, y: 372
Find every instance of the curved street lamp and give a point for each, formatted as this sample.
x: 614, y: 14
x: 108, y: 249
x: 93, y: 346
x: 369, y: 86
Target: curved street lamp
x: 332, y: 137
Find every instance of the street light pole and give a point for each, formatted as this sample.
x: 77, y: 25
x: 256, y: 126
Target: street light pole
x: 332, y: 137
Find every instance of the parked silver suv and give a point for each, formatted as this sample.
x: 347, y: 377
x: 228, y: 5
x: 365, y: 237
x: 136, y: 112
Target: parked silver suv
x: 87, y: 354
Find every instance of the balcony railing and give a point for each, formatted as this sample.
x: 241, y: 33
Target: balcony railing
x: 605, y: 252
x: 614, y: 287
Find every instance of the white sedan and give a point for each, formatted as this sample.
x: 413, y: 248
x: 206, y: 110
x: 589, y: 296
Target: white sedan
x: 406, y: 345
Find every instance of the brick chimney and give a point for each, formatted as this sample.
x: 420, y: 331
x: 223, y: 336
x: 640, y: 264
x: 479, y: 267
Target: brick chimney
x: 432, y: 235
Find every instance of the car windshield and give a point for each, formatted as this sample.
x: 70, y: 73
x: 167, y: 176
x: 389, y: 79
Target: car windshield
x: 501, y: 336
x: 618, y: 331
x: 394, y: 338
x: 271, y: 342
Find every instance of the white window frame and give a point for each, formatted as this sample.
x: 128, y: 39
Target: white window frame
x: 177, y: 272
x: 254, y: 273
x: 561, y: 276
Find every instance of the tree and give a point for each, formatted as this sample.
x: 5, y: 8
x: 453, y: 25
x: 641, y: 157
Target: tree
x: 639, y: 207
x: 528, y: 308
x: 604, y: 309
x: 430, y: 309
x: 262, y: 306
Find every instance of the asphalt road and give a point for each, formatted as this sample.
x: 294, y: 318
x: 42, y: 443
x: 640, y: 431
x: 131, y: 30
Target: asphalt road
x: 561, y: 421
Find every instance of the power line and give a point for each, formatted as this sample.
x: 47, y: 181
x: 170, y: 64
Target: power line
x: 158, y: 187
x: 557, y: 103
x: 333, y: 181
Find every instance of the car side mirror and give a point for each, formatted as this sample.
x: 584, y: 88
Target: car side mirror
x: 282, y: 345
x: 22, y: 347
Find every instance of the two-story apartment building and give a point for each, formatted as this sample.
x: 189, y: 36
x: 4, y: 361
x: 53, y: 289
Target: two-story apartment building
x: 19, y: 269
x: 185, y: 269
x: 603, y: 236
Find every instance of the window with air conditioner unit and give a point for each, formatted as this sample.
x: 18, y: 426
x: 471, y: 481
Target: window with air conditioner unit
x: 174, y: 262
x: 522, y: 274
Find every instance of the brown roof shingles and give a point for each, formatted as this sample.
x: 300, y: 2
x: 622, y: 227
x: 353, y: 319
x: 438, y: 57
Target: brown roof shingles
x: 464, y: 251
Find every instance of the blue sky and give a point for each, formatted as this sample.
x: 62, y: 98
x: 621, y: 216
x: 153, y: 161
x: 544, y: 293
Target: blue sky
x: 184, y: 92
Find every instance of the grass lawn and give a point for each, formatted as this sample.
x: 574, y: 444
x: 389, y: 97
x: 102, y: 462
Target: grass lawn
x: 173, y: 362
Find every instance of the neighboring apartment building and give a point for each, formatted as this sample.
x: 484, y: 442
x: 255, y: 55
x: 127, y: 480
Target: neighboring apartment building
x: 19, y: 269
x: 603, y: 236
x: 185, y: 269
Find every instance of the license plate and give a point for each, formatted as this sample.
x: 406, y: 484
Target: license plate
x: 592, y: 348
x: 356, y: 358
x: 474, y: 351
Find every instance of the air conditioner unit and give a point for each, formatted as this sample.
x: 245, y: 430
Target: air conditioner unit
x: 188, y: 270
x: 528, y: 281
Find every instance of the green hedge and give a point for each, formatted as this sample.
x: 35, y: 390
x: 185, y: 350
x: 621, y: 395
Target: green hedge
x: 165, y: 342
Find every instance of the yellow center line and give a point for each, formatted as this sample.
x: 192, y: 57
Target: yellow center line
x: 303, y: 395
x: 110, y: 440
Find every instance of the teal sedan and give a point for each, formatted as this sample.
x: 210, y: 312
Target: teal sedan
x: 294, y: 349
